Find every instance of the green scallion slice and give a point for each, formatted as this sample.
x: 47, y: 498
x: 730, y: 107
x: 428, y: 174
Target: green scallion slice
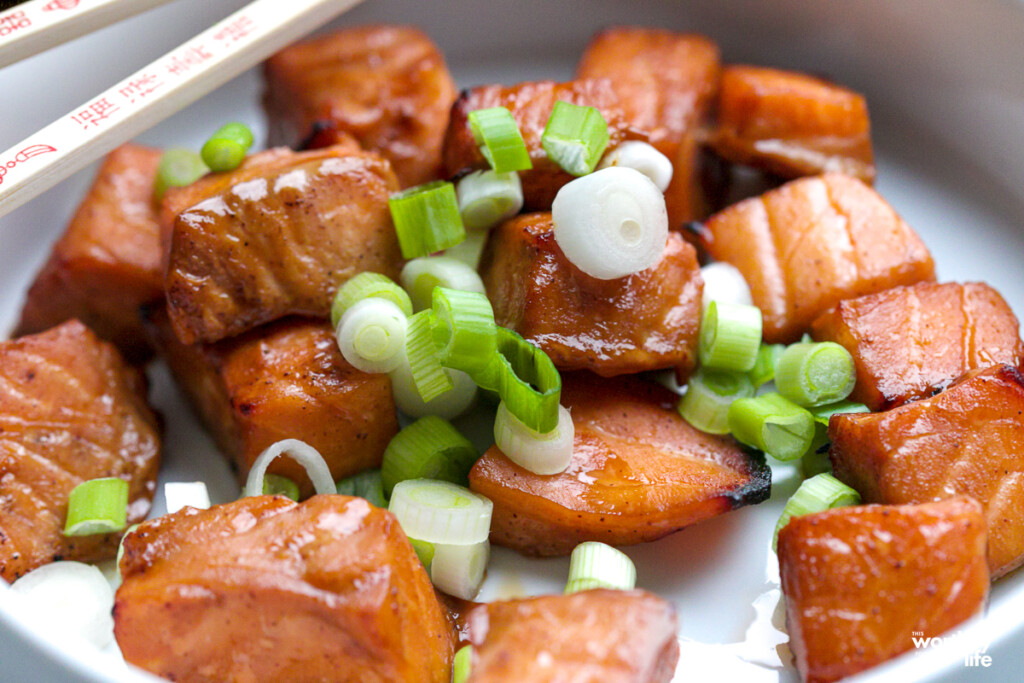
x: 226, y: 149
x: 458, y: 568
x: 709, y: 394
x: 429, y: 448
x: 276, y: 485
x: 421, y: 275
x: 596, y: 565
x: 823, y: 413
x: 487, y: 198
x: 525, y: 379
x: 97, y: 506
x: 814, y: 374
x: 367, y: 484
x: 466, y: 333
x: 817, y: 494
x: 772, y: 424
x: 463, y: 664
x: 730, y: 336
x: 470, y: 249
x: 421, y: 351
x: 178, y: 168
x: 366, y: 286
x: 816, y: 461
x: 575, y: 137
x: 441, y: 512
x: 424, y: 551
x: 501, y: 143
x: 764, y: 365
x: 426, y: 218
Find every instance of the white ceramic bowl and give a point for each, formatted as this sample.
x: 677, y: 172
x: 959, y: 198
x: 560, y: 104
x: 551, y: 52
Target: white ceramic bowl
x: 946, y: 93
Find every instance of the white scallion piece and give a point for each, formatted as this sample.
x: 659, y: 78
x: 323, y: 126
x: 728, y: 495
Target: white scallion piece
x: 596, y: 565
x: 643, y: 157
x: 540, y: 453
x: 487, y: 198
x: 448, y: 405
x: 179, y: 494
x: 458, y: 570
x: 611, y: 223
x: 440, y: 512
x: 302, y: 453
x: 421, y: 275
x: 470, y: 249
x: 371, y: 335
x: 68, y: 598
x: 724, y: 282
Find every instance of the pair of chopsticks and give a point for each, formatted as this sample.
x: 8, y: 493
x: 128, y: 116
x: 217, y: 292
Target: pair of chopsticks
x: 148, y: 96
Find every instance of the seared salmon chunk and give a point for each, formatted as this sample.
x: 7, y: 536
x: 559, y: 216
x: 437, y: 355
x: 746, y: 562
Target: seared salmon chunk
x: 792, y: 124
x: 387, y: 86
x: 71, y: 410
x: 275, y: 237
x: 666, y: 84
x: 862, y: 583
x: 909, y: 342
x: 645, y: 321
x: 285, y: 380
x: 639, y: 471
x: 264, y: 589
x: 811, y: 243
x: 107, y: 263
x: 596, y: 636
x: 968, y: 440
x: 531, y: 105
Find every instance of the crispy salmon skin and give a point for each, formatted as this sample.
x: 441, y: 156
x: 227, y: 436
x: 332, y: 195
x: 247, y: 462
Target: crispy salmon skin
x: 811, y: 243
x: 387, y: 86
x: 264, y: 589
x: 71, y: 410
x: 639, y: 471
x: 862, y: 582
x: 275, y: 237
x: 968, y: 440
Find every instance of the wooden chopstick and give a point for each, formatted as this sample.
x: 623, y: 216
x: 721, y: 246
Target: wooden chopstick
x: 155, y: 92
x: 33, y: 27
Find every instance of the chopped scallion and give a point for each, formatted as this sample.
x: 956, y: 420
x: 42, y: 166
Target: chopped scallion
x: 466, y: 333
x: 421, y: 275
x: 178, y: 168
x: 526, y: 380
x: 772, y: 424
x: 424, y: 551
x: 372, y: 335
x: 470, y: 249
x: 815, y: 460
x: 575, y: 137
x: 458, y: 569
x: 429, y: 448
x: 178, y: 494
x: 276, y: 485
x: 823, y: 413
x: 441, y: 512
x: 596, y: 565
x: 421, y: 351
x: 226, y: 149
x: 817, y: 494
x: 367, y: 484
x: 486, y: 198
x: 97, y: 506
x: 730, y: 336
x: 426, y: 218
x: 709, y: 393
x: 501, y: 143
x: 545, y: 454
x: 299, y: 451
x: 365, y: 286
x: 462, y: 666
x: 814, y: 374
x: 764, y: 366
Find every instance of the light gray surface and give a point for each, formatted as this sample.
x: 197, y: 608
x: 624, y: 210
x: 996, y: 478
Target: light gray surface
x: 947, y: 98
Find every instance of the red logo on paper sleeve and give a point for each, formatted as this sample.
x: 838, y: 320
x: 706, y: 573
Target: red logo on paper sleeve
x: 9, y: 23
x: 23, y: 156
x: 60, y: 4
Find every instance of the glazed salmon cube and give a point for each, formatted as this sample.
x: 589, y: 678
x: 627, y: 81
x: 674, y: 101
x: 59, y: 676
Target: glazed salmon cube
x: 639, y: 471
x: 387, y: 86
x: 862, y: 582
x: 908, y: 342
x: 811, y: 243
x: 531, y: 105
x: 968, y: 440
x: 264, y: 589
x: 666, y: 84
x: 275, y: 237
x: 644, y: 321
x: 285, y: 380
x: 605, y: 636
x: 71, y: 410
x: 107, y: 263
x: 792, y: 124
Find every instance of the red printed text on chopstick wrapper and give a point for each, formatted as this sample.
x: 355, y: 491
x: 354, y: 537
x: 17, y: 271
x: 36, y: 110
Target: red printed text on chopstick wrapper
x: 184, y: 61
x: 95, y: 113
x: 140, y: 87
x: 9, y: 23
x: 236, y: 30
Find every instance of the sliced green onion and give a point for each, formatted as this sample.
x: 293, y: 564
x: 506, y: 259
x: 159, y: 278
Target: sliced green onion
x: 178, y: 168
x: 366, y: 286
x: 730, y: 336
x: 178, y: 494
x: 97, y: 506
x: 226, y: 150
x: 501, y: 143
x: 545, y: 454
x: 367, y: 484
x: 426, y: 218
x: 302, y: 453
x: 764, y: 366
x: 458, y: 570
x: 596, y: 565
x: 772, y: 424
x: 441, y: 512
x: 724, y: 283
x: 813, y: 374
x: 428, y: 375
x: 239, y: 132
x: 470, y: 249
x: 429, y: 448
x: 823, y: 413
x: 526, y: 380
x: 448, y: 405
x: 371, y: 335
x: 575, y: 137
x: 421, y: 275
x: 709, y: 393
x: 642, y: 157
x: 65, y: 600
x: 424, y: 551
x: 487, y: 198
x: 817, y: 494
x: 815, y: 460
x: 462, y: 666
x: 466, y: 334
x: 276, y: 485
